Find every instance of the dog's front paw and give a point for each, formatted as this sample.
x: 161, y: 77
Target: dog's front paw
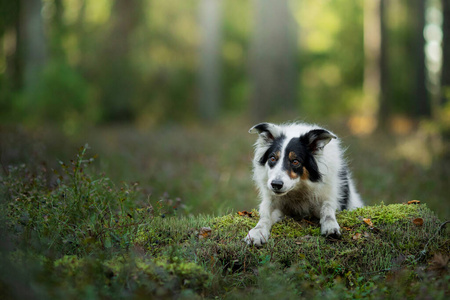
x: 257, y: 236
x: 330, y: 228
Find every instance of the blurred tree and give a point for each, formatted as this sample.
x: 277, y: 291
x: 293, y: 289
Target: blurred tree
x: 421, y: 104
x: 9, y: 31
x: 10, y: 63
x: 32, y: 43
x: 237, y: 25
x: 210, y: 58
x: 384, y: 106
x: 116, y: 74
x: 58, y: 31
x: 445, y: 75
x: 272, y: 59
x: 372, y: 52
x: 331, y: 57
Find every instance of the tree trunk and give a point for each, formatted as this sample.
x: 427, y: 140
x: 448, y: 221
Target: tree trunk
x: 117, y: 76
x: 32, y: 41
x: 422, y: 105
x: 445, y: 75
x: 272, y: 66
x: 384, y: 107
x: 58, y: 31
x: 210, y: 59
x: 372, y: 52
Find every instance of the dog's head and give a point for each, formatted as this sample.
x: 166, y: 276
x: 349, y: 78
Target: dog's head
x: 288, y: 157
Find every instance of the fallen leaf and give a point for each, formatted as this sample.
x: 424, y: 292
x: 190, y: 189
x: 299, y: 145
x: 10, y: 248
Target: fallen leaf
x: 309, y: 222
x: 245, y: 213
x: 418, y: 221
x: 204, y: 232
x: 414, y: 202
x: 356, y: 236
x: 347, y: 228
x: 366, y: 234
x: 368, y: 222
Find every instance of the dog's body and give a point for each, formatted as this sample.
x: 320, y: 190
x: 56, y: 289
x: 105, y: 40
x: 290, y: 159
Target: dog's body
x: 300, y: 171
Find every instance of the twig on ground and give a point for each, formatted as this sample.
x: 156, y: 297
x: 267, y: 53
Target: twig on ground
x: 425, y: 249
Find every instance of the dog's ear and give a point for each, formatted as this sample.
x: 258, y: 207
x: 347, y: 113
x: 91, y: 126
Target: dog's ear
x: 316, y: 139
x: 267, y: 131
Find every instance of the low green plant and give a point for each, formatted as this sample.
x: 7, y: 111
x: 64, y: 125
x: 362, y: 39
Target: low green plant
x: 82, y: 213
x: 81, y: 236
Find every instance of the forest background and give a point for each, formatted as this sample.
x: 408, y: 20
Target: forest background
x: 165, y: 91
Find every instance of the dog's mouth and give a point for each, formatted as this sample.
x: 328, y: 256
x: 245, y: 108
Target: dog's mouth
x: 279, y: 193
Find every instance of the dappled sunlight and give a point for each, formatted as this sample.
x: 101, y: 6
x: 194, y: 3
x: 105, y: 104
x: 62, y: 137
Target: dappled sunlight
x: 414, y: 149
x: 97, y: 12
x: 233, y: 52
x: 420, y: 147
x: 317, y: 36
x: 362, y: 125
x: 401, y: 125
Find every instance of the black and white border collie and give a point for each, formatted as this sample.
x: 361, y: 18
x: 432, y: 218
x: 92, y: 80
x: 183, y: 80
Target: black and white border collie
x: 300, y: 171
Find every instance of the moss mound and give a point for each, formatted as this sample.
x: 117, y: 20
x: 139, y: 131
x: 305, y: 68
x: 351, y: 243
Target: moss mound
x: 376, y: 241
x: 87, y: 238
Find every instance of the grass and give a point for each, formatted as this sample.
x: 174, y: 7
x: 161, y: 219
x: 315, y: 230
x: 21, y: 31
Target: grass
x: 209, y: 167
x: 76, y: 234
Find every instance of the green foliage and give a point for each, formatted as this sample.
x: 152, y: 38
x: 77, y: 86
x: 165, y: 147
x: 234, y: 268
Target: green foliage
x: 83, y: 237
x: 60, y: 96
x: 140, y: 62
x: 387, y: 214
x: 80, y: 215
x: 331, y: 57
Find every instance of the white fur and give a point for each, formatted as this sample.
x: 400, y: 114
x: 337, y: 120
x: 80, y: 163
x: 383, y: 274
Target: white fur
x: 298, y: 196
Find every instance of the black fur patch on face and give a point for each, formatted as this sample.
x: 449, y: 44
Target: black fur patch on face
x: 345, y: 190
x: 297, y: 149
x: 274, y: 148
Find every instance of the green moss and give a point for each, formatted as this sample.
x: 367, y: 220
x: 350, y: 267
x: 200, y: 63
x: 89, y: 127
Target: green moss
x: 68, y: 262
x: 238, y: 226
x: 379, y: 214
x: 234, y: 224
x: 191, y: 274
x: 288, y: 228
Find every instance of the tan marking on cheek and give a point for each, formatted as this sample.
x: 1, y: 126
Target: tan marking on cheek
x: 277, y: 154
x: 292, y: 155
x: 293, y: 175
x: 305, y: 174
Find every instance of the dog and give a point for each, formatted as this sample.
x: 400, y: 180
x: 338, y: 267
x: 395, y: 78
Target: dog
x: 299, y: 171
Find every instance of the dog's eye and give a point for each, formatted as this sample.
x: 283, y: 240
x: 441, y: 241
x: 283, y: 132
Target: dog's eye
x: 295, y: 163
x: 273, y: 159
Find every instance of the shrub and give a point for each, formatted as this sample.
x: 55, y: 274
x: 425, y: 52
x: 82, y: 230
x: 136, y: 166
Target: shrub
x: 85, y: 237
x: 60, y: 96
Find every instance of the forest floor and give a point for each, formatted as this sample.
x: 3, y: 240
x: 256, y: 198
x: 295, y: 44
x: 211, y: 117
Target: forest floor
x: 156, y: 213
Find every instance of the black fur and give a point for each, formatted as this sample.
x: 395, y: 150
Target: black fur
x: 264, y: 129
x: 304, y: 156
x: 345, y: 190
x: 274, y: 147
x: 312, y: 138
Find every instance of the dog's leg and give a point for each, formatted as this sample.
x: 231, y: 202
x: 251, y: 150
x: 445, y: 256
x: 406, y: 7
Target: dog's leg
x: 328, y: 223
x: 268, y: 216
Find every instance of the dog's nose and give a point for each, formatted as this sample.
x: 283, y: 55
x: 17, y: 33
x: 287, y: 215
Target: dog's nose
x: 277, y: 184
